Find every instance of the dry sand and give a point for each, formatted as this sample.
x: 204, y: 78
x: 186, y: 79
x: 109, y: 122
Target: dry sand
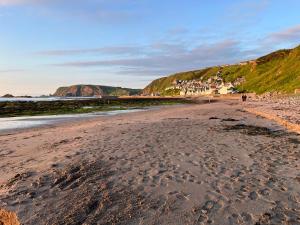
x: 8, y: 218
x: 193, y: 164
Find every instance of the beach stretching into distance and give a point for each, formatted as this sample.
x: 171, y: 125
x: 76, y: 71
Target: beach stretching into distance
x: 168, y: 112
x: 187, y: 164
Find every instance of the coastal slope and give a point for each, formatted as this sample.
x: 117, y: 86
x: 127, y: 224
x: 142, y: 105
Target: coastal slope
x: 276, y: 72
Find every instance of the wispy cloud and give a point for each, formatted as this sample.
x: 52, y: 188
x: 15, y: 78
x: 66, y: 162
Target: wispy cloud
x: 178, y: 31
x: 162, y: 58
x: 73, y: 2
x: 11, y: 71
x: 97, y: 10
x: 44, y: 2
x: 114, y: 50
x: 144, y: 72
x: 246, y: 12
x: 291, y: 34
x: 285, y: 38
x: 170, y: 58
x: 128, y: 50
x: 21, y: 2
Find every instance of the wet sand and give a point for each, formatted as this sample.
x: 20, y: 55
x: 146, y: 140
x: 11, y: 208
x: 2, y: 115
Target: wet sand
x: 24, y: 122
x: 193, y: 164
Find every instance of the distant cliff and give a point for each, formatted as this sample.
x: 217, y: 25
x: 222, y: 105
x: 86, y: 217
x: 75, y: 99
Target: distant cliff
x: 94, y: 90
x: 7, y: 96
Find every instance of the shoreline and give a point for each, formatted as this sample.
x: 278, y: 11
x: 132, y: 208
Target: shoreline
x: 284, y: 110
x: 191, y: 164
x: 73, y: 121
x: 55, y: 120
x: 271, y: 116
x: 77, y: 106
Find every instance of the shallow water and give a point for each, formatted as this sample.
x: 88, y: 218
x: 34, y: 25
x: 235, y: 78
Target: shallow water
x: 43, y: 99
x: 16, y: 123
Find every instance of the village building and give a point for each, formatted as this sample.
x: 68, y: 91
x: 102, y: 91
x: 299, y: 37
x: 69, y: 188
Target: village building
x: 226, y: 89
x: 213, y: 85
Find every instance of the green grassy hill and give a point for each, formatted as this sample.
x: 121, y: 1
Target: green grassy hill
x: 278, y: 71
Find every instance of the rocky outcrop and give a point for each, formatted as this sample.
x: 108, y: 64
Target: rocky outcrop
x: 94, y: 91
x: 8, y: 96
x: 79, y: 91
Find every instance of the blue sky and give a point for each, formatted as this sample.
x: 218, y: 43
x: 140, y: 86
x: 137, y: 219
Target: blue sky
x: 49, y: 43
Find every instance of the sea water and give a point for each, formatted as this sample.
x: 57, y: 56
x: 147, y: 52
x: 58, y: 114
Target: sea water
x: 22, y: 122
x: 39, y: 99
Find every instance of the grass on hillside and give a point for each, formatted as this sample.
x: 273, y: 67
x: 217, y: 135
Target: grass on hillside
x: 278, y: 71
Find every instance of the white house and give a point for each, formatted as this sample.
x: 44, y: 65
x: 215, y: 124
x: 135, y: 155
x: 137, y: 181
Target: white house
x: 226, y: 89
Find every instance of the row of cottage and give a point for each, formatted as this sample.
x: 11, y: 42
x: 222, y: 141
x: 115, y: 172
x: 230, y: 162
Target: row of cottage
x: 214, y: 85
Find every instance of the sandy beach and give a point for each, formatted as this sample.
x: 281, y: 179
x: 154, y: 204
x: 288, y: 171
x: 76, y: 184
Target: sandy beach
x: 190, y: 164
x: 285, y: 110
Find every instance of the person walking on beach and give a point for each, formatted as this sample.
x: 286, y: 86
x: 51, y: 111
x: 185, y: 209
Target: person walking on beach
x: 244, y: 98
